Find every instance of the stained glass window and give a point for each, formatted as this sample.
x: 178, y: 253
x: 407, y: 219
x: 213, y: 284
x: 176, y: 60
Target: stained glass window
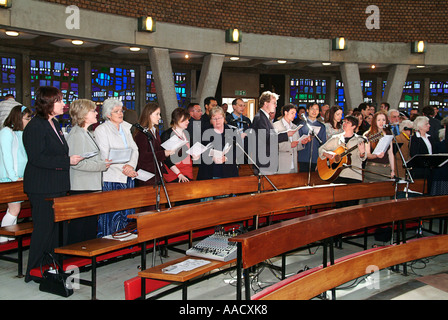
x: 111, y: 82
x: 8, y: 82
x: 305, y: 91
x: 438, y: 96
x: 410, y: 96
x: 62, y: 75
x: 180, y: 85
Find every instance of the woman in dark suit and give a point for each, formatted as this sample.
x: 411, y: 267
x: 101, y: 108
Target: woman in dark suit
x: 421, y: 143
x: 216, y: 165
x: 47, y: 171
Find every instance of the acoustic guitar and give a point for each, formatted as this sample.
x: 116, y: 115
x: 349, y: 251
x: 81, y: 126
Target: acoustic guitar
x: 329, y: 169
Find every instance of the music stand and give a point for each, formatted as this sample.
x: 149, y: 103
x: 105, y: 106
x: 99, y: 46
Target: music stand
x: 427, y: 161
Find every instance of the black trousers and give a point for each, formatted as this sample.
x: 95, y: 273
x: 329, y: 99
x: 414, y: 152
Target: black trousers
x: 45, y: 231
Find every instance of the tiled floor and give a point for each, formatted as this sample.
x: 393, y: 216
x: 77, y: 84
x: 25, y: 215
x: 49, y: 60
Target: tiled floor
x: 427, y: 279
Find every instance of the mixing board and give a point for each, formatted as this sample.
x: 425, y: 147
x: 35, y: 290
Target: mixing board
x: 215, y: 247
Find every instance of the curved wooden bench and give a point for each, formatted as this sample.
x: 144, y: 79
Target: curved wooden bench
x: 315, y: 281
x: 259, y: 245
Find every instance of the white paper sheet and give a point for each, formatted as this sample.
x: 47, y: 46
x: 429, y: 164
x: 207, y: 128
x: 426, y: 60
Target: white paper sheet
x: 89, y: 154
x: 198, y: 148
x: 187, y: 265
x: 173, y: 143
x: 144, y: 175
x: 383, y: 144
x: 120, y: 155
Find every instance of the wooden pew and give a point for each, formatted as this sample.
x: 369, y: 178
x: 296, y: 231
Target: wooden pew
x: 351, y: 267
x: 93, y: 251
x: 154, y: 225
x: 259, y: 245
x: 11, y: 192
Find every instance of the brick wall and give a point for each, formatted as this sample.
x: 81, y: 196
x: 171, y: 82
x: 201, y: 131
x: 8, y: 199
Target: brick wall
x: 400, y: 21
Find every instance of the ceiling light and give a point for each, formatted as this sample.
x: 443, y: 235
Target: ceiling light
x: 372, y: 66
x: 326, y: 63
x: 419, y: 67
x: 12, y: 33
x: 234, y: 58
x: 77, y: 42
x: 134, y: 49
x: 281, y: 61
x: 187, y: 56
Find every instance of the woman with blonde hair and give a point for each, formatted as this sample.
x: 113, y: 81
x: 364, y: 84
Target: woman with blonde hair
x: 86, y: 176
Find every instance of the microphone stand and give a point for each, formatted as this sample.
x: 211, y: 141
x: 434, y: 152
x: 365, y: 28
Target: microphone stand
x: 159, y: 180
x: 408, y: 176
x: 259, y: 171
x: 313, y: 134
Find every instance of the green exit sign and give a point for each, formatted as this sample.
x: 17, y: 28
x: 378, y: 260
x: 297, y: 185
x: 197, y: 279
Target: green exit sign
x: 240, y: 92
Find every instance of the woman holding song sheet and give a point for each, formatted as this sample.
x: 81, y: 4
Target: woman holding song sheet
x: 149, y: 121
x: 114, y: 137
x: 179, y: 166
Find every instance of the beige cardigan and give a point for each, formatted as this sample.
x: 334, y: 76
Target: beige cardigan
x: 338, y: 140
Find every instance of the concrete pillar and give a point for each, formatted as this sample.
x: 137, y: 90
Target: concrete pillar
x: 352, y: 85
x: 25, y: 99
x: 87, y: 80
x: 208, y: 81
x: 164, y: 82
x: 395, y: 82
x: 331, y: 91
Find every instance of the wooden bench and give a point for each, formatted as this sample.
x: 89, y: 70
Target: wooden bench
x: 11, y: 192
x: 317, y: 280
x: 256, y: 246
x: 153, y: 225
x: 84, y: 205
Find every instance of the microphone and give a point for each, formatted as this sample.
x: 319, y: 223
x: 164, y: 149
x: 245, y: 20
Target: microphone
x: 144, y: 130
x: 311, y: 130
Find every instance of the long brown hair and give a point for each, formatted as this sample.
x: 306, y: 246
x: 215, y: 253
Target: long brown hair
x: 374, y: 128
x: 14, y: 119
x: 144, y: 117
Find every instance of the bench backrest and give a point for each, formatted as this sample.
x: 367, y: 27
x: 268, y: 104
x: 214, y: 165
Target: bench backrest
x: 357, y: 265
x: 153, y: 225
x: 83, y: 205
x: 12, y: 191
x: 268, y: 242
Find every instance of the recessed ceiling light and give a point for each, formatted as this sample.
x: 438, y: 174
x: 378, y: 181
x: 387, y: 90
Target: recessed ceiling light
x: 134, y: 49
x: 77, y: 42
x: 420, y: 67
x: 373, y: 66
x: 234, y: 58
x: 281, y: 61
x: 12, y: 33
x: 187, y: 56
x: 326, y: 63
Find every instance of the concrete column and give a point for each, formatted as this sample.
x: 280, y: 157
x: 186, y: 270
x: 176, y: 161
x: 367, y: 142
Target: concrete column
x: 331, y: 91
x: 352, y: 85
x: 87, y: 80
x: 208, y: 81
x: 164, y: 82
x: 395, y: 82
x: 25, y: 99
